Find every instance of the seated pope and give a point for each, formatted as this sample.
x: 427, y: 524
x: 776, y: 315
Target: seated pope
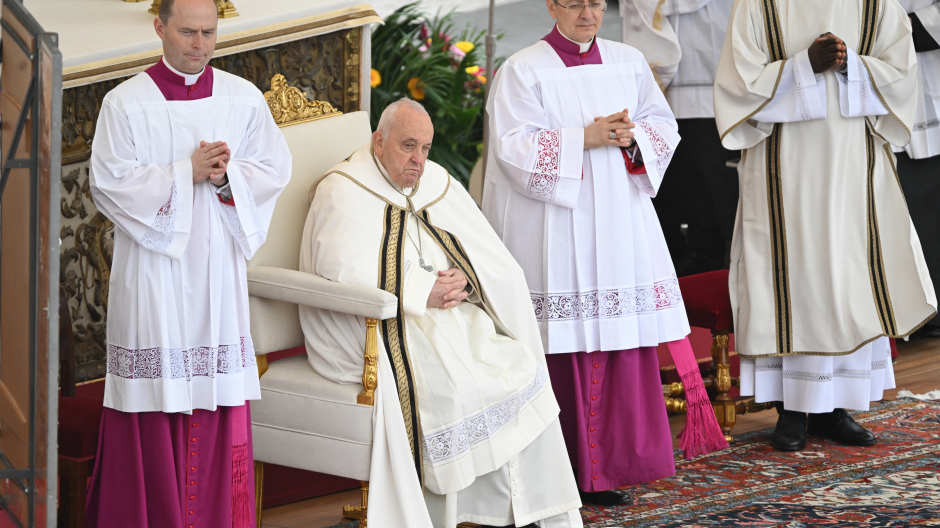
x: 466, y: 424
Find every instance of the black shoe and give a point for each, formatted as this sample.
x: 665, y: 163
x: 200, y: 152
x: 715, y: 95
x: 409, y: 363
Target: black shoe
x: 929, y: 330
x: 839, y: 427
x: 614, y: 497
x: 790, y: 432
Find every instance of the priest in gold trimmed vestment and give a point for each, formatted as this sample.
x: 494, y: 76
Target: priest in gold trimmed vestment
x: 825, y: 263
x: 466, y: 424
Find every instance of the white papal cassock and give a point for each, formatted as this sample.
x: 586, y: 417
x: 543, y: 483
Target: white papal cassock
x: 593, y: 252
x: 825, y: 261
x: 178, y: 333
x: 464, y: 405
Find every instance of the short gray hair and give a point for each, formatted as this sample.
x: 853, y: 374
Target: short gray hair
x: 390, y: 114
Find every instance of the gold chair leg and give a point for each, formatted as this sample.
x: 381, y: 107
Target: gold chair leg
x: 259, y: 491
x: 359, y: 512
x: 723, y: 403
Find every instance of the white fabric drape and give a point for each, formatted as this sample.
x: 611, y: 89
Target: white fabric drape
x: 583, y: 228
x: 681, y: 40
x: 178, y: 333
x: 819, y: 384
x: 925, y: 134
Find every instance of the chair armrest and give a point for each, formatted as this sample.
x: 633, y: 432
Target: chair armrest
x: 306, y: 289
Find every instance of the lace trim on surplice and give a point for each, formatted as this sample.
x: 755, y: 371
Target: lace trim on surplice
x: 661, y: 148
x: 544, y: 177
x: 607, y: 304
x: 231, y: 216
x: 179, y: 363
x: 473, y: 430
x: 160, y: 234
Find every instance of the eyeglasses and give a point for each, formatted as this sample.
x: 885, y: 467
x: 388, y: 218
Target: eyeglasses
x: 576, y: 8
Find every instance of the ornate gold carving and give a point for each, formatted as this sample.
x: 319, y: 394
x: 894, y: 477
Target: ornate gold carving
x: 226, y: 8
x: 314, y: 65
x: 721, y: 340
x: 352, y: 68
x: 290, y: 106
x: 676, y: 405
x: 724, y: 378
x: 359, y: 512
x: 262, y: 360
x: 673, y: 389
x: 370, y: 372
x: 259, y: 481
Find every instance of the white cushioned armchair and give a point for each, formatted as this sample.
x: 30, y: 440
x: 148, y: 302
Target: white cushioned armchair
x: 304, y: 420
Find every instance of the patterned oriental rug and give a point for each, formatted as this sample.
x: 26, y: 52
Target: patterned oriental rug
x: 894, y: 483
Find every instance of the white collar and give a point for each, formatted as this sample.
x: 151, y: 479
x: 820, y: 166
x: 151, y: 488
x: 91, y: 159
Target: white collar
x: 190, y: 79
x: 584, y: 47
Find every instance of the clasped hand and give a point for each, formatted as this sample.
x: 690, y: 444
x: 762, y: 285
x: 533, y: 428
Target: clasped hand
x: 449, y: 289
x: 827, y: 53
x: 210, y: 161
x: 597, y: 134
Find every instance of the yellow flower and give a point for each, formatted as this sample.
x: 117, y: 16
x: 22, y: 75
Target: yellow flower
x: 415, y: 86
x: 375, y: 78
x: 465, y: 46
x: 473, y: 70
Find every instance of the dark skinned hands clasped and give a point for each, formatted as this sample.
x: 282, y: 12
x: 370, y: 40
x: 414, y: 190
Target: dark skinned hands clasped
x: 827, y: 53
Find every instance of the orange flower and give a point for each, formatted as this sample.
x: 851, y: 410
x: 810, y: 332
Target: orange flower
x: 416, y: 87
x: 375, y: 78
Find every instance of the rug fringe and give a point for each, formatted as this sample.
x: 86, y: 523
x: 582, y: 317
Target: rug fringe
x: 241, y: 493
x: 930, y: 396
x: 701, y: 434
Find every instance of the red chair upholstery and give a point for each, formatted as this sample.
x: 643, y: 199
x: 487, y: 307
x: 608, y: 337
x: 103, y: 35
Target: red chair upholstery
x: 707, y: 301
x: 79, y: 422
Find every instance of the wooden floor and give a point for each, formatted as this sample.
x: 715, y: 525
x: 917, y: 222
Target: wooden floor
x: 917, y: 370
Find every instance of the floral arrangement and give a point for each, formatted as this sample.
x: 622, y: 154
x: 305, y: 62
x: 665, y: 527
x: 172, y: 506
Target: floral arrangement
x: 425, y: 59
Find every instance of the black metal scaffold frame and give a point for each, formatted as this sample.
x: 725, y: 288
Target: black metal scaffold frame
x: 44, y: 49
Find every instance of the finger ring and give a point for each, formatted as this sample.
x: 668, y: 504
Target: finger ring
x: 613, y: 135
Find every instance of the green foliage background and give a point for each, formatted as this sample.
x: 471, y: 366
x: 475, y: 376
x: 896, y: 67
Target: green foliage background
x: 453, y: 97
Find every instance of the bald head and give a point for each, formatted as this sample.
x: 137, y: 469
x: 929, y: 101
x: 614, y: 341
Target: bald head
x: 188, y: 29
x: 403, y: 140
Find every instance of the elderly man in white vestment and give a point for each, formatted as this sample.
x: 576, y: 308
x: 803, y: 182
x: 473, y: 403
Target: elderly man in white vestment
x: 826, y: 265
x: 188, y: 164
x: 464, y: 409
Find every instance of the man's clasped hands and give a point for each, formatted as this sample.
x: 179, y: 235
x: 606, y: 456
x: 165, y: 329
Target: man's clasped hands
x: 210, y: 162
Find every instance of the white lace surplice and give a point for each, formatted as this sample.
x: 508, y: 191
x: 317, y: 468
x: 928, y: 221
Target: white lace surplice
x: 583, y: 228
x: 925, y: 134
x: 178, y: 333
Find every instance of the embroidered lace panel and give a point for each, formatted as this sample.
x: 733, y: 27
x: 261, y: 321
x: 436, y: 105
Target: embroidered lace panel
x: 661, y: 148
x: 607, y: 304
x: 178, y: 363
x: 231, y: 215
x: 473, y: 430
x: 160, y: 234
x: 544, y: 178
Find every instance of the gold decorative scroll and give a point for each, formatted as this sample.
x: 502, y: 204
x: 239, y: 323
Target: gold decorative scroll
x: 226, y: 8
x: 290, y: 106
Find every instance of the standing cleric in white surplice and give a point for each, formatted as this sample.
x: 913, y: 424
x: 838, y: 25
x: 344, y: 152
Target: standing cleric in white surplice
x: 594, y: 256
x: 178, y: 334
x: 464, y: 408
x: 188, y: 163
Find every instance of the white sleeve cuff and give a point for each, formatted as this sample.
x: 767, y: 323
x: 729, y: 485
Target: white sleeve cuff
x: 800, y: 96
x: 416, y: 290
x: 571, y: 161
x: 857, y: 97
